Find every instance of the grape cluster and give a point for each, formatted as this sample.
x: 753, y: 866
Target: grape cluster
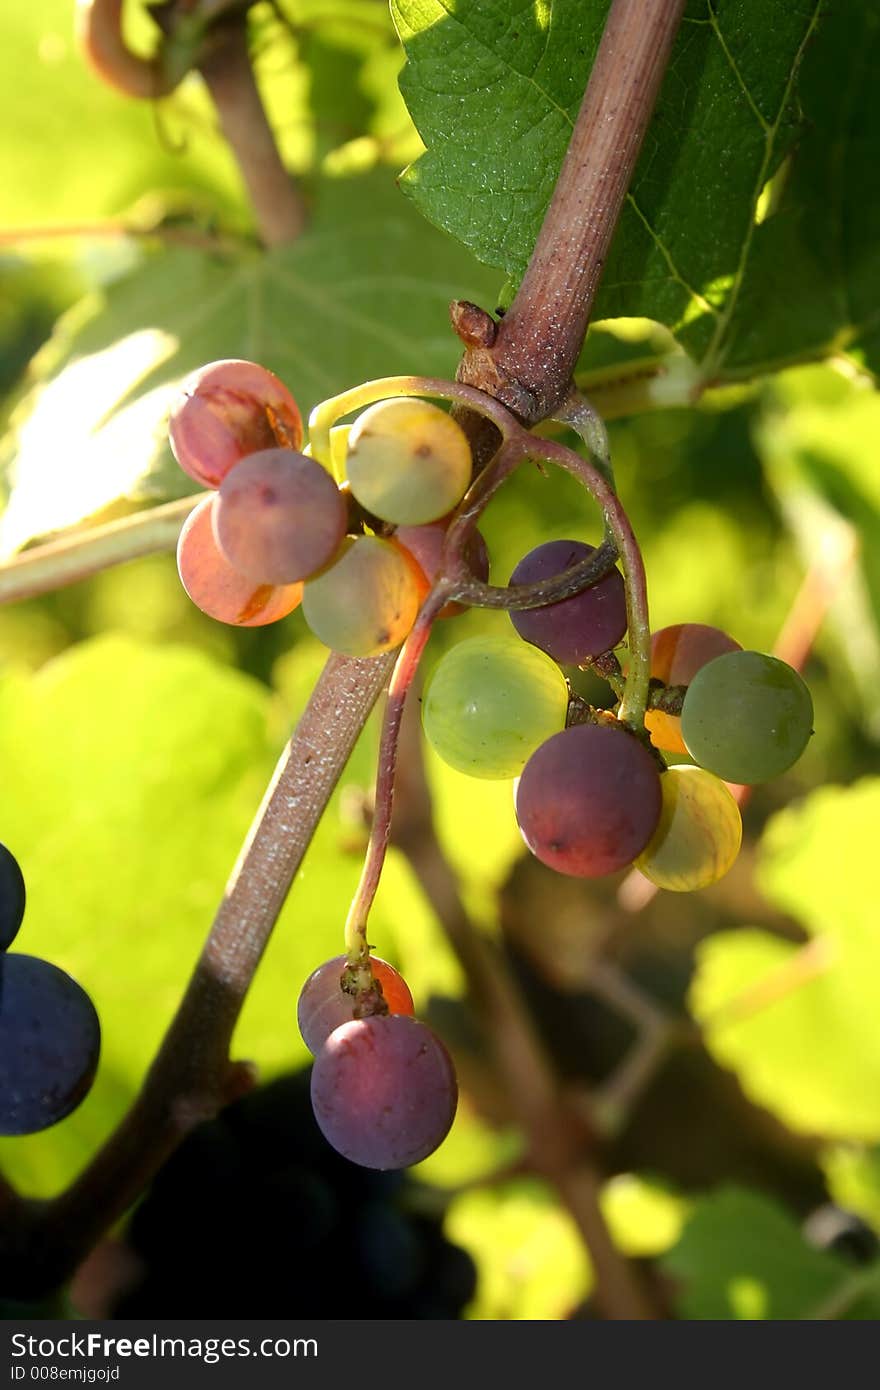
x: 278, y: 531
x: 383, y: 1085
x: 595, y: 791
x: 593, y: 795
x: 49, y: 1032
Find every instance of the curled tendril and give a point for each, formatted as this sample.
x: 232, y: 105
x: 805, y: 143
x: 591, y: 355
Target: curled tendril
x: 98, y: 30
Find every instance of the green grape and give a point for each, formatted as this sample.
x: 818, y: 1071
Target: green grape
x: 698, y: 835
x: 366, y: 601
x: 746, y: 717
x: 408, y: 462
x: 490, y: 702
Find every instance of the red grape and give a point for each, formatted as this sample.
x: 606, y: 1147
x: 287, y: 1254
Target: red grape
x: 218, y: 589
x: 226, y: 410
x: 425, y: 544
x: 677, y: 654
x: 589, y: 800
x: 384, y: 1091
x: 323, y: 1005
x: 279, y: 517
x: 577, y: 628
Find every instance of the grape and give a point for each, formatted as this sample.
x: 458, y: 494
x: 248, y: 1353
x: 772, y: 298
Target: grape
x: 677, y: 654
x: 12, y: 897
x: 323, y: 1005
x: 49, y: 1044
x: 746, y: 717
x: 218, y: 589
x: 490, y: 702
x: 384, y: 1091
x: 408, y: 462
x: 227, y: 410
x: 589, y: 800
x: 367, y: 600
x: 425, y: 544
x: 698, y: 835
x: 577, y: 628
x: 279, y: 517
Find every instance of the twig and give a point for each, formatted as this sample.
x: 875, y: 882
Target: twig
x: 226, y: 68
x: 530, y: 363
x: 83, y: 553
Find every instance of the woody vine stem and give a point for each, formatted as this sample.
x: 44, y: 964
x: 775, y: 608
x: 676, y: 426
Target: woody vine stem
x: 526, y: 364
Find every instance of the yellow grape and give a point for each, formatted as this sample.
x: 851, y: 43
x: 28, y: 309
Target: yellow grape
x: 408, y: 462
x: 366, y: 601
x: 698, y: 835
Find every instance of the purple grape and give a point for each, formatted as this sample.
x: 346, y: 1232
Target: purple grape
x: 589, y: 800
x: 384, y: 1091
x: 578, y: 628
x: 50, y: 1039
x: 12, y: 897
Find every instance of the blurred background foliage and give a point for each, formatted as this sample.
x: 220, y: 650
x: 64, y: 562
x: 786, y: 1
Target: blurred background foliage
x: 136, y: 735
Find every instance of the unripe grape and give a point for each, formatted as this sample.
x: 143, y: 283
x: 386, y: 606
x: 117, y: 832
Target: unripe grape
x: 279, y: 517
x: 698, y: 835
x: 747, y: 717
x: 366, y: 601
x: 490, y: 702
x: 408, y: 462
x: 575, y: 629
x: 218, y: 589
x: 323, y: 1005
x: 589, y: 800
x: 677, y: 654
x: 226, y: 410
x: 384, y: 1091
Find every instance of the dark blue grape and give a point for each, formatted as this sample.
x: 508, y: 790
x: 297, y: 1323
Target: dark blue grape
x: 50, y: 1039
x: 12, y: 897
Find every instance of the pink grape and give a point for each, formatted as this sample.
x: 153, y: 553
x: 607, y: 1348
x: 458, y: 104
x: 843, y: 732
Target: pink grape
x: 384, y: 1091
x: 218, y: 589
x: 279, y: 517
x: 425, y: 544
x: 589, y: 800
x: 227, y: 410
x: 323, y: 1006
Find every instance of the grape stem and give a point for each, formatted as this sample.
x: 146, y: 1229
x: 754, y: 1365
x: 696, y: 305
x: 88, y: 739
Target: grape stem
x: 519, y: 444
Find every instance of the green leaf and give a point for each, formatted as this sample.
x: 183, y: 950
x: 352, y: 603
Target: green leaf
x: 741, y: 1256
x: 746, y: 230
x: 363, y: 294
x: 797, y: 1024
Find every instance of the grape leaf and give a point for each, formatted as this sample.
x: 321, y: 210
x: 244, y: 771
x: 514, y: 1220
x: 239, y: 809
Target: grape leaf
x: 746, y: 272
x: 741, y: 1256
x: 359, y: 296
x: 797, y: 1023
